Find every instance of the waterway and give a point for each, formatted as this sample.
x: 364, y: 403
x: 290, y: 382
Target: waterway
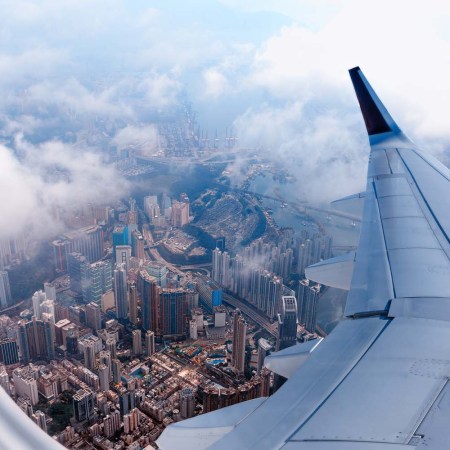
x: 344, y: 232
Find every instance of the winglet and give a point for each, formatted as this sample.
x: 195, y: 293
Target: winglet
x: 376, y: 116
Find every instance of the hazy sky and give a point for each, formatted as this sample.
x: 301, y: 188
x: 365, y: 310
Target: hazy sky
x: 274, y: 70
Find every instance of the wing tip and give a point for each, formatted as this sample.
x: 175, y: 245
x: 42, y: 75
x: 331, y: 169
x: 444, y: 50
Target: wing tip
x: 376, y: 117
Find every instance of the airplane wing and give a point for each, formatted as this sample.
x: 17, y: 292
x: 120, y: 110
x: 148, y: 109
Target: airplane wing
x: 380, y: 380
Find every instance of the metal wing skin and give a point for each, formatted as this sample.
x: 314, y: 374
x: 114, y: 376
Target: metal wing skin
x: 380, y: 380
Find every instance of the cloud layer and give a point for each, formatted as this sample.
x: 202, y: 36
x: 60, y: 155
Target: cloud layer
x: 80, y: 79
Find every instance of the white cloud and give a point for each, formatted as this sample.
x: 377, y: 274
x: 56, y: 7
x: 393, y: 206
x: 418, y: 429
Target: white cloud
x: 215, y: 82
x: 146, y: 137
x: 36, y: 179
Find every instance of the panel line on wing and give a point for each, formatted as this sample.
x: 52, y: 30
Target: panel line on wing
x: 441, y: 228
x: 384, y: 237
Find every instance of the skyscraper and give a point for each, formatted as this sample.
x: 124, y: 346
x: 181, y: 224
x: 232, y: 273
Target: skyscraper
x: 126, y: 402
x: 36, y: 339
x: 83, y: 405
x: 150, y: 343
x: 37, y: 299
x: 158, y: 271
x: 287, y: 323
x: 239, y: 335
x: 110, y: 346
x: 76, y: 265
x: 116, y: 370
x: 89, y: 355
x: 9, y: 353
x: 264, y: 348
x: 39, y: 418
x: 88, y: 241
x: 123, y: 255
x: 308, y: 307
x: 150, y: 301
x: 50, y: 291
x: 132, y: 295
x: 137, y: 342
x: 103, y: 375
x: 120, y: 291
x: 221, y: 268
x: 138, y: 244
x: 96, y: 279
x: 187, y: 403
x: 104, y: 357
x: 60, y: 252
x: 172, y: 313
x: 180, y: 214
x: 93, y: 316
x: 5, y: 289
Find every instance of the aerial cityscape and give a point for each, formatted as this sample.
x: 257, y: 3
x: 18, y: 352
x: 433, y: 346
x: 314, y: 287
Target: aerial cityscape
x: 166, y: 177
x: 161, y: 306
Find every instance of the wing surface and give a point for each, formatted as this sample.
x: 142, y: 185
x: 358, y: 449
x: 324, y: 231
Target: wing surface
x: 379, y: 381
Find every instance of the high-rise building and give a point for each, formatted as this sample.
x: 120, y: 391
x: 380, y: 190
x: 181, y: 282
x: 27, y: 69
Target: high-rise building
x: 193, y: 332
x: 48, y: 307
x: 158, y: 271
x: 138, y: 244
x: 137, y: 342
x: 23, y: 342
x: 123, y: 255
x: 103, y: 375
x: 72, y: 343
x: 76, y: 265
x: 104, y: 357
x: 210, y: 293
x: 9, y: 352
x: 187, y: 403
x: 4, y: 379
x: 96, y: 279
x: 94, y: 316
x: 180, y: 214
x: 116, y: 370
x: 120, y: 291
x: 149, y: 290
x: 131, y: 421
x: 83, y: 405
x: 221, y: 268
x: 172, y: 313
x: 39, y: 418
x: 60, y: 252
x: 89, y: 355
x: 110, y: 346
x: 239, y: 337
x: 132, y: 295
x: 264, y: 348
x: 126, y: 402
x: 151, y: 207
x: 5, y: 289
x: 37, y: 299
x: 36, y: 339
x: 50, y: 291
x: 88, y: 241
x: 287, y: 323
x: 150, y: 343
x: 120, y: 236
x: 25, y: 383
x: 111, y: 423
x: 308, y: 296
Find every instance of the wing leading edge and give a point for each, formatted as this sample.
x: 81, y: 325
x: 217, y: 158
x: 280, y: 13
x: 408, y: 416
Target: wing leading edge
x: 380, y: 380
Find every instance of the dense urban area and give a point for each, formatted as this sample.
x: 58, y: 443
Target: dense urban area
x: 162, y: 306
